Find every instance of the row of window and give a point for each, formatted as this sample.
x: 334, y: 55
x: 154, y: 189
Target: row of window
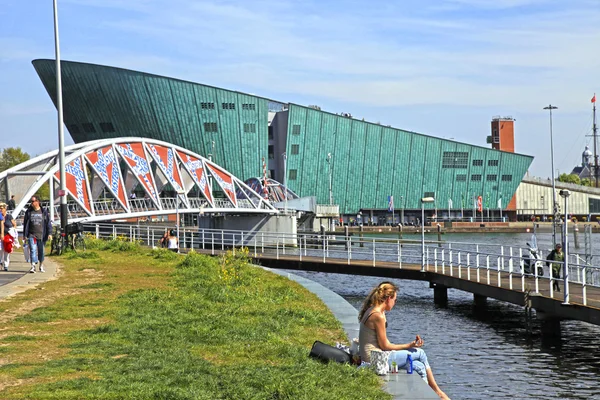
x: 479, y: 163
x: 227, y: 106
x: 249, y: 128
x: 88, y: 127
x: 479, y: 177
x: 455, y: 159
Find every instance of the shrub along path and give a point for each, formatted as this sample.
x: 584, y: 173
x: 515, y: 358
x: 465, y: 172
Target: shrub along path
x: 124, y: 322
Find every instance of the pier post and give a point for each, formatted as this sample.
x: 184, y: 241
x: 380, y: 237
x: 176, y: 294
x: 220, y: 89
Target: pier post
x: 360, y: 235
x: 480, y: 301
x: 549, y: 325
x: 576, y: 235
x: 440, y: 295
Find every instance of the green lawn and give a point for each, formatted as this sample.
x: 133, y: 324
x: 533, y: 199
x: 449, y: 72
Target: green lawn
x: 124, y: 322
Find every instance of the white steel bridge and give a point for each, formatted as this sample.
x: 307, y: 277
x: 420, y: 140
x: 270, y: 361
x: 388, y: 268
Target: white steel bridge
x: 102, y: 177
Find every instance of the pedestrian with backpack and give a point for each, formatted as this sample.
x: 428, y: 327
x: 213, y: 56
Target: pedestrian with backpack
x: 36, y: 231
x: 7, y: 241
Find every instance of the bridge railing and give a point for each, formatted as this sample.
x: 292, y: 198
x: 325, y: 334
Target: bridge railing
x: 498, y: 265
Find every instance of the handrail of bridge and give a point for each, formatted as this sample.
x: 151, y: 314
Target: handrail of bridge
x: 504, y: 267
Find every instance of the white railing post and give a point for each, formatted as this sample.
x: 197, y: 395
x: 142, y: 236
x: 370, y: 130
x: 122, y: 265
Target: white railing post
x: 148, y: 236
x: 435, y: 261
x: 469, y: 266
x: 222, y: 240
x: 97, y: 231
x: 300, y: 248
x: 583, y: 286
x: 399, y: 255
x: 551, y: 282
x: 277, y: 248
x: 487, y: 266
x: 427, y: 258
x: 477, y: 262
x: 374, y: 252
x: 499, y: 276
x: 510, y: 269
x: 522, y: 266
x: 443, y: 261
x: 450, y: 259
x: 262, y: 242
x: 459, y: 268
x: 114, y: 232
x: 212, y: 247
x: 255, y: 254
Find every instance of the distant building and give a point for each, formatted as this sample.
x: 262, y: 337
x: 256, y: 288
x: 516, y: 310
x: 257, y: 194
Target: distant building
x: 586, y: 169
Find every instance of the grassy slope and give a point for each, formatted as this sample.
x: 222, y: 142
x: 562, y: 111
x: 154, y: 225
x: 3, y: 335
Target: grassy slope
x: 126, y: 323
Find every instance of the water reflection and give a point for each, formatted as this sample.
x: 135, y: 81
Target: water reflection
x: 496, y: 353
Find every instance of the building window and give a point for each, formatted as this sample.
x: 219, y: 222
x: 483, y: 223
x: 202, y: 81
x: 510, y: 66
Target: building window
x: 594, y: 205
x: 295, y: 149
x: 228, y: 106
x: 429, y: 194
x: 461, y: 178
x: 249, y: 128
x: 210, y: 127
x: 270, y: 132
x: 506, y: 178
x: 249, y: 107
x: 295, y: 129
x: 492, y: 163
x: 455, y: 159
x: 74, y: 129
x: 476, y: 178
x: 88, y: 127
x: 293, y: 174
x: 207, y: 106
x: 492, y: 178
x: 107, y: 127
x: 478, y: 163
x: 271, y: 152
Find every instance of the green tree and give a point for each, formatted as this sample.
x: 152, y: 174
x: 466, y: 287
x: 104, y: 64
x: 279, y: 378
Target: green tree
x: 569, y: 178
x: 587, y: 182
x: 11, y: 156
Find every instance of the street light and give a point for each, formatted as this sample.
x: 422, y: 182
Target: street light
x: 565, y: 195
x: 402, y: 210
x: 284, y: 155
x: 550, y: 107
x: 179, y: 193
x: 62, y: 193
x: 330, y: 181
x: 423, y: 201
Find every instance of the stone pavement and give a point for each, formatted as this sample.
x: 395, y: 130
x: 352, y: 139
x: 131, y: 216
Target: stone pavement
x: 18, y: 279
x: 401, y: 385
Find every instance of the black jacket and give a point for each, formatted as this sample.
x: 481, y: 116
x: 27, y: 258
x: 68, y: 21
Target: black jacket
x: 47, y: 224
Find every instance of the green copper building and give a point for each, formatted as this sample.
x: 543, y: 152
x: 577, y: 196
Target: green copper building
x: 367, y: 161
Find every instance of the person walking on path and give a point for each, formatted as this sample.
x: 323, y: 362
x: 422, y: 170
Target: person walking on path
x: 6, y: 224
x: 36, y: 231
x: 11, y: 203
x: 373, y: 335
x: 558, y: 257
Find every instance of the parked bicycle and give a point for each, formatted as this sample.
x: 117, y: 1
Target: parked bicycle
x: 72, y: 237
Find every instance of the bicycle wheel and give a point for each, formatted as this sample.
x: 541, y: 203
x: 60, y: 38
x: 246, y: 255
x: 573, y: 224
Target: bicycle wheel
x: 61, y: 244
x: 78, y: 243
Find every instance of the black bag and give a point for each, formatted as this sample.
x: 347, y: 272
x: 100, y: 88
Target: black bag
x: 324, y: 352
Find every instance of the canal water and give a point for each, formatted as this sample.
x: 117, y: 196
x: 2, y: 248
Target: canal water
x: 499, y: 354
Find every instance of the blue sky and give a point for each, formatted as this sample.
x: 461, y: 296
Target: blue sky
x: 442, y: 69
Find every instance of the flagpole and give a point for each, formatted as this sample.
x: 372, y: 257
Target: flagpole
x: 595, y: 139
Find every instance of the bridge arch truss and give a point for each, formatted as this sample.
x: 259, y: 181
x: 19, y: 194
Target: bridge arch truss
x: 103, y: 175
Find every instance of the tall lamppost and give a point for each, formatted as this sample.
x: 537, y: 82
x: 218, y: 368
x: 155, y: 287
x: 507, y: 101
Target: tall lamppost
x: 330, y: 179
x: 402, y: 210
x: 284, y: 155
x: 550, y: 107
x: 565, y: 195
x: 423, y: 201
x: 62, y: 192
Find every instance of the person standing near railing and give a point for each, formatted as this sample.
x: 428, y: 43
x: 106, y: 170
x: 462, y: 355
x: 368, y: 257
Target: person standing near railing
x: 559, y: 257
x: 36, y: 231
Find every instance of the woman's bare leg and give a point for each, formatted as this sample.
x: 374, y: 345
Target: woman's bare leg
x: 434, y: 386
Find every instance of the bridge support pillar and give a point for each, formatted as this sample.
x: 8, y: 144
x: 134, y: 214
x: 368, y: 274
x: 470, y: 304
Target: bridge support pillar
x: 440, y: 295
x: 480, y: 301
x: 550, y: 325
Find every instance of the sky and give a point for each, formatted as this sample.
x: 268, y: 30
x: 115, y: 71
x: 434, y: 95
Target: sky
x: 443, y: 68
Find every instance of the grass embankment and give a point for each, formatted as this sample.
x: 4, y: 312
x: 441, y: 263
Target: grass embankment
x: 123, y: 322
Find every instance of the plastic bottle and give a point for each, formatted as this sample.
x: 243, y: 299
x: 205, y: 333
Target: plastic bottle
x: 409, y: 364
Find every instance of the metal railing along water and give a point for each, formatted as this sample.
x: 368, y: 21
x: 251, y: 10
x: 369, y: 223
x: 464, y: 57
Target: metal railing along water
x: 491, y: 264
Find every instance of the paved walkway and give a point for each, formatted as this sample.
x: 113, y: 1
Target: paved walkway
x: 18, y: 279
x: 401, y: 385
